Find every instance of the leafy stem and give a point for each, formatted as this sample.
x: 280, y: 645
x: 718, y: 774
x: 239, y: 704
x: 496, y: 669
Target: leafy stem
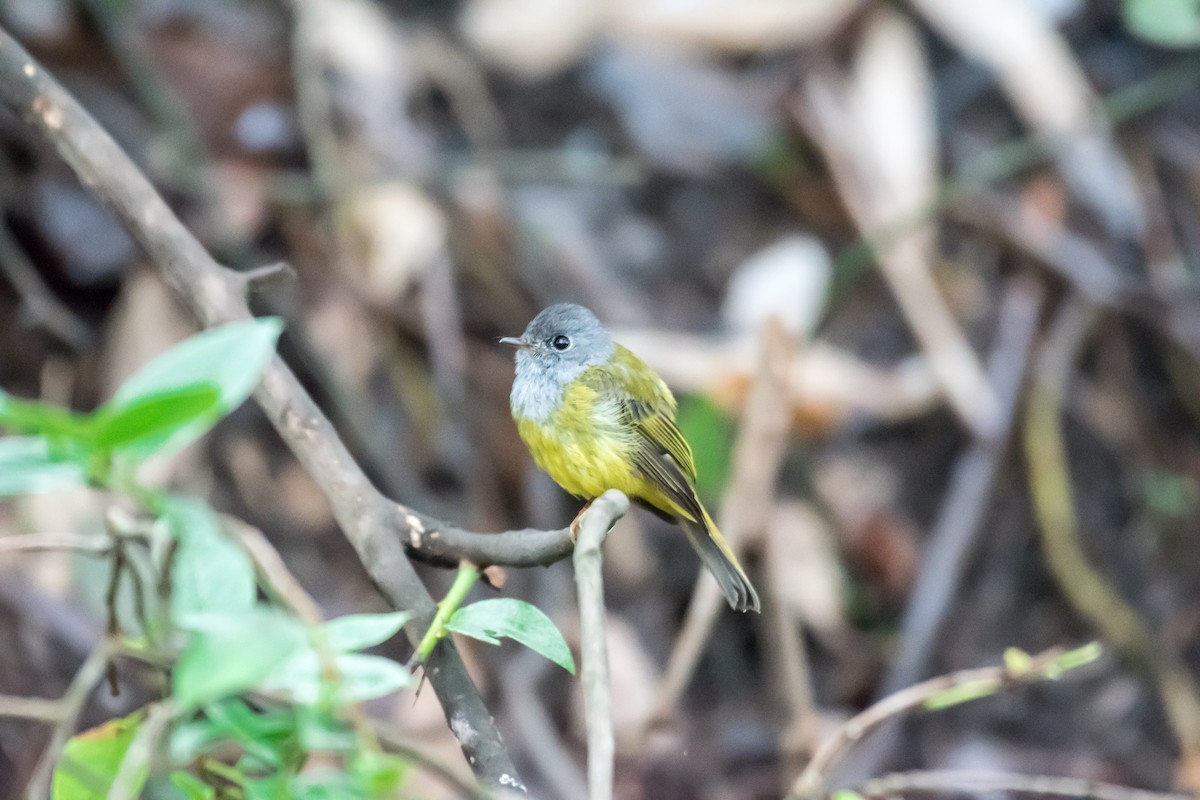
x: 467, y: 575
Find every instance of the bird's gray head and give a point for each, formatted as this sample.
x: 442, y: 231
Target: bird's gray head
x: 556, y: 347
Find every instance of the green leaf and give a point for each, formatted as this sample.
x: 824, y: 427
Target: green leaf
x: 152, y: 418
x: 30, y: 416
x: 359, y: 677
x: 29, y: 464
x: 230, y: 358
x: 208, y: 571
x: 263, y: 735
x: 1169, y: 23
x: 378, y: 774
x: 230, y: 652
x: 710, y: 432
x: 489, y: 619
x: 324, y: 784
x: 358, y: 631
x: 192, y: 787
x: 90, y: 761
x: 322, y: 730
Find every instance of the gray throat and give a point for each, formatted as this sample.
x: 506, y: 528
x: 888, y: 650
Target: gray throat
x: 537, y: 391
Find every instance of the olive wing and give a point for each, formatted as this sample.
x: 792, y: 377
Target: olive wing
x: 647, y: 408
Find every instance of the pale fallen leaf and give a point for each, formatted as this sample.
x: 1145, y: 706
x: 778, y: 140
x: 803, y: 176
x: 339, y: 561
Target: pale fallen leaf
x: 828, y: 387
x: 396, y: 233
x: 788, y: 279
x: 1048, y: 87
x: 532, y: 38
x: 745, y: 26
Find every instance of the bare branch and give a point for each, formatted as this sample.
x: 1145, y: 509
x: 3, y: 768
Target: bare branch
x: 216, y: 295
x: 965, y: 782
x: 593, y: 527
x: 69, y: 707
x: 981, y: 682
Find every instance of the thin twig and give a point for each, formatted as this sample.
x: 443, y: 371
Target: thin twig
x: 70, y: 706
x: 34, y: 708
x: 964, y: 782
x: 216, y: 296
x: 820, y: 107
x: 39, y: 542
x: 746, y: 506
x: 594, y: 640
x: 274, y: 575
x: 953, y: 541
x: 135, y: 765
x: 981, y: 682
x: 532, y: 722
x: 40, y: 303
x: 394, y: 742
x: 1087, y: 589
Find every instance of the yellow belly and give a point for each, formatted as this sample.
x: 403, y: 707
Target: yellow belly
x: 584, y: 447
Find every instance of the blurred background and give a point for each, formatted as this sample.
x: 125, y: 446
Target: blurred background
x: 974, y: 423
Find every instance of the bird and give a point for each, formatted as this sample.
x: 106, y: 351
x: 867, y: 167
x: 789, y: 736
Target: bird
x: 596, y: 417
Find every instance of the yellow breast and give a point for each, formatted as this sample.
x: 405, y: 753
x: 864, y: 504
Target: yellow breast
x: 583, y: 445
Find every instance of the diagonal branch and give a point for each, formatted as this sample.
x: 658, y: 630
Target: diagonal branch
x: 373, y: 524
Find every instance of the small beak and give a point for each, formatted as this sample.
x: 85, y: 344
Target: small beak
x: 512, y: 341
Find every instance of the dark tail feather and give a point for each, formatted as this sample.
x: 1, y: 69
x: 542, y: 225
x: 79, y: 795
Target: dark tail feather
x: 721, y: 562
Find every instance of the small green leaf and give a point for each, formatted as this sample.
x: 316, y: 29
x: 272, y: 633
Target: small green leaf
x: 359, y: 631
x: 489, y: 619
x: 230, y: 652
x: 359, y: 677
x: 1169, y: 23
x: 208, y: 571
x: 31, y: 416
x: 323, y: 784
x: 264, y: 735
x: 91, y: 760
x: 153, y: 417
x: 710, y: 433
x: 847, y: 794
x: 963, y: 693
x: 192, y: 787
x: 1017, y: 662
x: 29, y: 464
x: 321, y: 729
x: 230, y: 358
x: 378, y: 774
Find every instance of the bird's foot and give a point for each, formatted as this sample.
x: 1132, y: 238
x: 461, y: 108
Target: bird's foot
x: 575, y: 522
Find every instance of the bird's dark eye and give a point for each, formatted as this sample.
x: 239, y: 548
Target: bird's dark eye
x: 561, y: 343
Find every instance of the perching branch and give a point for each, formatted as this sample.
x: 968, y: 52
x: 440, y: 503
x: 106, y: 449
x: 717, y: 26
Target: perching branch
x: 374, y: 525
x: 597, y: 700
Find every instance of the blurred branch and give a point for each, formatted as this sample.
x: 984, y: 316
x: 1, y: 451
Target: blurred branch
x: 38, y: 542
x: 821, y: 108
x: 1087, y: 589
x: 135, y: 765
x: 43, y: 308
x: 939, y: 692
x: 746, y: 506
x: 534, y: 725
x: 964, y: 782
x: 216, y: 295
x: 952, y: 543
x: 594, y: 640
x: 69, y: 706
x: 1079, y: 263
